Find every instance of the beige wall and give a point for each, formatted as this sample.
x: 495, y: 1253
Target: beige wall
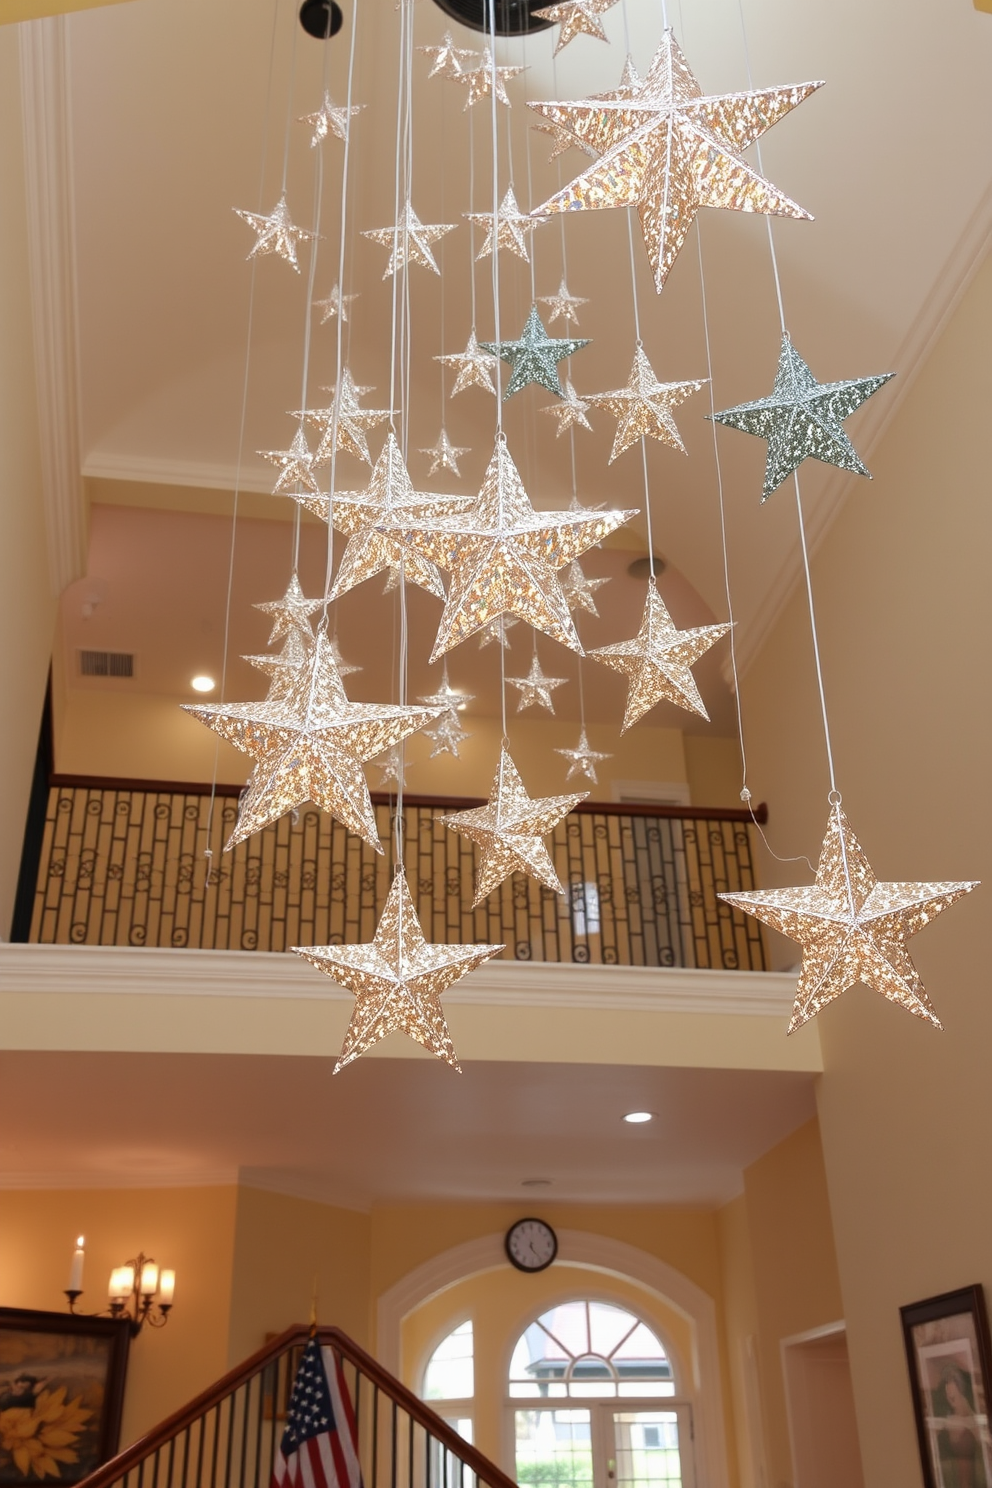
x: 903, y: 598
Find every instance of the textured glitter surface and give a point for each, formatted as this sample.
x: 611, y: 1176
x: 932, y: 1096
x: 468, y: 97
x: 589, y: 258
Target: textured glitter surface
x: 329, y: 119
x: 508, y: 831
x: 446, y: 735
x: 475, y: 368
x: 445, y: 455
x: 392, y: 767
x: 291, y: 613
x: 296, y: 466
x: 803, y: 419
x: 579, y: 591
x: 563, y: 304
x: 534, y: 356
x: 409, y: 241
x: 397, y: 979
x: 483, y: 79
x: 276, y: 233
x: 583, y: 760
x: 667, y: 150
x: 447, y: 60
x: 282, y: 669
x: 310, y: 746
x: 576, y: 18
x: 851, y: 927
x: 497, y: 632
x: 570, y: 410
x: 344, y: 425
x: 509, y: 228
x: 657, y: 661
x: 335, y: 304
x: 644, y: 406
x: 503, y: 557
x: 535, y: 689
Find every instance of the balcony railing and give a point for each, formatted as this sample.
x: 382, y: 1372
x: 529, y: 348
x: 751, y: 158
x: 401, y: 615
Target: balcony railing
x: 134, y: 863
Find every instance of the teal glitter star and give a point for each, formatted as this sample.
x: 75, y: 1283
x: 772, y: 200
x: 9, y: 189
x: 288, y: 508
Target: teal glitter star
x: 534, y: 357
x: 803, y: 419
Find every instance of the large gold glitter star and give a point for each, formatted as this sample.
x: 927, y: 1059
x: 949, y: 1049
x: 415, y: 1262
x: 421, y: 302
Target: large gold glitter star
x: 397, y: 979
x: 276, y: 233
x: 475, y: 367
x: 668, y: 150
x: 507, y: 228
x: 484, y: 78
x: 657, y: 661
x: 509, y: 828
x: 409, y: 241
x: 644, y: 406
x: 576, y: 18
x: 851, y: 927
x: 503, y: 557
x: 310, y: 746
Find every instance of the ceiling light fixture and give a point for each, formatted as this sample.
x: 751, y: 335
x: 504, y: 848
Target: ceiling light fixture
x: 637, y: 1118
x: 202, y: 684
x: 641, y: 567
x: 513, y: 17
x: 321, y: 18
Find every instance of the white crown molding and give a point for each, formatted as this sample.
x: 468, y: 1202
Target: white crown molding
x: 52, y: 252
x: 120, y: 1178
x: 157, y: 470
x: 165, y: 972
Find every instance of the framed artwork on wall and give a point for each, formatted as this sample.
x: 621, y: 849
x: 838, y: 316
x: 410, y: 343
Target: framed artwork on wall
x: 61, y: 1394
x: 950, y: 1369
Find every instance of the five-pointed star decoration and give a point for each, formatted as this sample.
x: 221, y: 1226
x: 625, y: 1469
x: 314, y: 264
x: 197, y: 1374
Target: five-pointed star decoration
x: 851, y: 927
x: 345, y: 668
x: 508, y: 227
x: 310, y: 746
x: 282, y: 668
x: 657, y: 661
x: 580, y: 591
x: 497, y: 632
x: 582, y: 759
x: 503, y: 557
x: 330, y: 120
x: 448, y: 697
x: 296, y: 466
x: 475, y: 367
x: 668, y: 150
x: 445, y: 455
x: 409, y: 240
x: 644, y: 406
x: 561, y: 140
x: 369, y: 518
x: 392, y: 767
x: 276, y: 233
x: 336, y: 303
x: 534, y: 356
x: 563, y: 303
x: 291, y: 614
x: 344, y: 424
x: 485, y: 78
x: 803, y: 419
x: 447, y: 59
x: 535, y: 689
x: 570, y: 410
x: 397, y: 979
x: 576, y: 18
x: 509, y: 828
x: 446, y: 735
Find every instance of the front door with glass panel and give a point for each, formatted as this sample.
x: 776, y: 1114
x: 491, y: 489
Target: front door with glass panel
x: 594, y: 1404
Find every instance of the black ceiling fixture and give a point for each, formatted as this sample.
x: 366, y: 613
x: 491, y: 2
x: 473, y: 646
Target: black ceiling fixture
x: 513, y: 17
x: 321, y: 18
x: 641, y: 567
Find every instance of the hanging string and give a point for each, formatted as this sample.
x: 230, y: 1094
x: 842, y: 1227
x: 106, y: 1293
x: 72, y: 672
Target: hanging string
x: 289, y: 112
x: 471, y: 207
x: 494, y: 76
x: 318, y: 196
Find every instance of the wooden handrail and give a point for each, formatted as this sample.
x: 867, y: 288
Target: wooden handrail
x: 439, y: 803
x: 113, y: 1471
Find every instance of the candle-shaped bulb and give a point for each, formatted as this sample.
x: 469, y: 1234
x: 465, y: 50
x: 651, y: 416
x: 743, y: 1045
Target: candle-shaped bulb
x: 76, y: 1267
x: 115, y: 1290
x: 149, y: 1279
x: 166, y: 1288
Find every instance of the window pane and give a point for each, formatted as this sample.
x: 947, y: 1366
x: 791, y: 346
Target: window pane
x: 584, y: 1342
x: 647, y: 1446
x: 608, y: 1326
x: 462, y: 1424
x: 554, y: 1449
x: 647, y: 1387
x: 450, y: 1374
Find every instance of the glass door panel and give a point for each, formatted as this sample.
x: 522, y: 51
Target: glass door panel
x: 553, y: 1448
x: 653, y: 1449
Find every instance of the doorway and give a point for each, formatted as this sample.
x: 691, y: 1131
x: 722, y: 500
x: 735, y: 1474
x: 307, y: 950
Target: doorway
x: 819, y: 1398
x: 605, y: 1445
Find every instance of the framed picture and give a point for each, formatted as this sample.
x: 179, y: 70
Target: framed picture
x: 950, y: 1368
x: 61, y: 1394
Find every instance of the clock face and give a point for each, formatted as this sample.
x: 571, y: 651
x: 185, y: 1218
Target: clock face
x: 531, y: 1245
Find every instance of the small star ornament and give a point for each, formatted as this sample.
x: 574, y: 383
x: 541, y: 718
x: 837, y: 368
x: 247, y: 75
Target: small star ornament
x: 508, y: 831
x: 582, y: 760
x: 335, y: 304
x: 535, y: 689
x: 508, y: 228
x: 497, y: 633
x: 657, y: 662
x: 447, y: 735
x: 291, y: 614
x: 329, y: 119
x: 448, y: 697
x: 397, y: 979
x: 534, y: 357
x: 474, y: 367
x: 576, y: 18
x: 276, y: 233
x: 345, y: 668
x: 392, y: 767
x: 569, y: 411
x: 803, y: 419
x: 409, y: 241
x: 296, y: 466
x: 282, y: 669
x: 445, y: 455
x: 644, y: 406
x: 851, y: 927
x: 447, y: 60
x: 668, y: 150
x: 563, y: 304
x: 579, y: 591
x: 485, y: 78
x: 344, y: 425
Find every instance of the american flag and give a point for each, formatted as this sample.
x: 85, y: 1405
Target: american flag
x: 319, y: 1448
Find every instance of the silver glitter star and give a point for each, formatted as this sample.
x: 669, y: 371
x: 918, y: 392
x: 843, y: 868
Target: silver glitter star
x: 409, y: 241
x: 569, y: 411
x: 563, y: 303
x: 447, y: 735
x: 330, y: 120
x: 445, y: 455
x: 484, y: 78
x: 533, y: 357
x: 644, y: 406
x: 508, y: 228
x: 582, y: 759
x: 579, y: 591
x: 392, y: 767
x: 291, y: 613
x: 448, y: 697
x: 343, y: 425
x: 447, y: 59
x: 475, y: 367
x: 335, y: 304
x: 496, y: 632
x: 803, y: 419
x: 657, y: 661
x: 576, y: 18
x: 535, y: 689
x: 276, y: 233
x: 296, y: 466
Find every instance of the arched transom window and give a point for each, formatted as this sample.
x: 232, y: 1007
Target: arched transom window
x: 582, y: 1349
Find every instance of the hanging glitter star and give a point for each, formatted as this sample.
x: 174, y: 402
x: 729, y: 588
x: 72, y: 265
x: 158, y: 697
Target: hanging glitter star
x: 657, y: 661
x: 645, y: 406
x: 582, y: 759
x: 276, y: 233
x: 508, y: 831
x: 291, y: 613
x: 446, y: 735
x: 445, y: 455
x: 482, y: 79
x: 561, y: 140
x: 851, y: 927
x: 392, y: 767
x: 803, y: 419
x: 535, y: 689
x: 345, y: 668
x: 503, y: 556
x: 448, y: 697
x: 475, y: 368
x: 576, y: 18
x: 533, y: 357
x: 397, y: 979
x: 579, y: 591
x: 571, y: 410
x: 282, y: 669
x: 335, y: 304
x: 447, y: 59
x: 343, y: 425
x: 296, y: 466
x: 497, y: 632
x: 508, y: 228
x: 668, y: 150
x: 310, y: 747
x: 409, y: 241
x: 330, y: 120
x: 563, y: 303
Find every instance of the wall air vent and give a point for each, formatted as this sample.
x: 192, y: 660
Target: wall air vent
x: 106, y: 664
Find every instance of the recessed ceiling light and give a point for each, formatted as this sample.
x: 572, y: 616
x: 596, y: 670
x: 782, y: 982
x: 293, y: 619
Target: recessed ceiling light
x: 636, y: 1118
x: 202, y: 684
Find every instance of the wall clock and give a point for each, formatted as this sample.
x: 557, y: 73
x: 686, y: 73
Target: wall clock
x: 531, y: 1245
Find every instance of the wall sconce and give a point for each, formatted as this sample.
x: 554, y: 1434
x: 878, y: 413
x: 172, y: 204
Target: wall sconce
x: 139, y: 1291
